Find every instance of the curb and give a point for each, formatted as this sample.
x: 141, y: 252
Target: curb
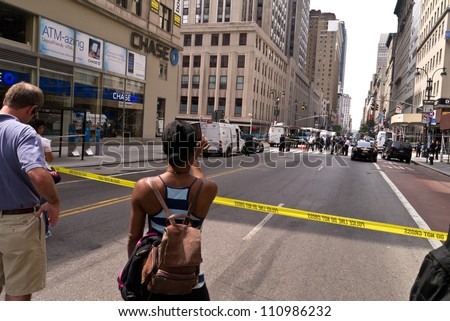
x: 430, y: 167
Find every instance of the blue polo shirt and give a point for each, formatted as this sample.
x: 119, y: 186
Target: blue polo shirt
x: 20, y: 151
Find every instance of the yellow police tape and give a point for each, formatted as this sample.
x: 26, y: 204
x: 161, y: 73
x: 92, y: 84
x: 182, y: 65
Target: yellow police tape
x: 312, y: 216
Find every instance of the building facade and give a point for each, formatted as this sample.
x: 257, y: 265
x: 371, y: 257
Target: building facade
x: 245, y: 62
x: 325, y: 45
x: 108, y: 71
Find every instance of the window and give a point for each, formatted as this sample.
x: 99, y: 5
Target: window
x: 226, y: 39
x: 212, y: 82
x: 195, y: 81
x: 224, y: 61
x: 222, y: 104
x: 122, y: 3
x: 223, y: 82
x: 210, y: 106
x: 197, y: 61
x: 13, y: 24
x: 183, y: 105
x: 213, y: 61
x: 240, y: 82
x: 164, y: 17
x: 242, y: 39
x: 198, y: 39
x: 163, y: 70
x: 238, y: 107
x: 241, y: 61
x: 214, y: 39
x: 136, y: 7
x: 185, y: 11
x: 187, y: 40
x: 194, y: 105
x: 184, y: 81
x: 186, y: 61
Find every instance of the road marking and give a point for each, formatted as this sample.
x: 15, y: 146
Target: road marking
x: 409, y: 208
x: 259, y: 226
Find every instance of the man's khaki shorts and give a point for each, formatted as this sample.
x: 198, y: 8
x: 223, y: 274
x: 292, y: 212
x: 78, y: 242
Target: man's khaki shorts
x: 23, y: 260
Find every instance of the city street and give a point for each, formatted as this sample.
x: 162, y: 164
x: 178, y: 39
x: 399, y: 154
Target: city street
x: 250, y: 255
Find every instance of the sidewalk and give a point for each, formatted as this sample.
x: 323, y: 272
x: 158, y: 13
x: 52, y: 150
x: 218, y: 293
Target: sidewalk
x: 438, y: 165
x: 110, y: 154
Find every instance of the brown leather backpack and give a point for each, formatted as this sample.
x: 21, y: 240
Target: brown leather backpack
x: 174, y: 265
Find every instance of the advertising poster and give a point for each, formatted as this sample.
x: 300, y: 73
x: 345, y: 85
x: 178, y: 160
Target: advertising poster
x: 136, y: 65
x: 56, y: 40
x: 155, y: 6
x: 115, y: 58
x: 89, y: 50
x: 177, y: 13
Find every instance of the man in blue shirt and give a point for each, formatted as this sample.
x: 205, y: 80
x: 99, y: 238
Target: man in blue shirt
x: 23, y: 179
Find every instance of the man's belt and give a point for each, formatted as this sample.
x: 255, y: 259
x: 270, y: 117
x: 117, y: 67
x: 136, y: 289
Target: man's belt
x: 20, y: 211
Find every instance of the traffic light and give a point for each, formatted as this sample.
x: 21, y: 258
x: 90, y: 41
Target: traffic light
x: 372, y: 107
x: 303, y: 107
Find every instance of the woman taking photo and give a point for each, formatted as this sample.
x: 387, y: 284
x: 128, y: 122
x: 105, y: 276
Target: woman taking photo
x: 178, y: 186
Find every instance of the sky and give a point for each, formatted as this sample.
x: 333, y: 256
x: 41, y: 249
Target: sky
x: 365, y: 21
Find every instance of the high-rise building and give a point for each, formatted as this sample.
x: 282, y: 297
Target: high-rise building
x: 325, y: 46
x: 382, y: 53
x: 244, y: 59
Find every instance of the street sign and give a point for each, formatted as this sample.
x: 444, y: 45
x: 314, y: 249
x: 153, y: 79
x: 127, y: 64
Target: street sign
x: 428, y: 102
x: 433, y: 120
x: 443, y: 101
x: 431, y: 113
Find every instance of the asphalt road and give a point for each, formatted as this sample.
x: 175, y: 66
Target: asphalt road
x: 252, y: 255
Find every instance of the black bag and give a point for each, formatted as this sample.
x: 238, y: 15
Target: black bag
x: 433, y: 281
x: 129, y: 280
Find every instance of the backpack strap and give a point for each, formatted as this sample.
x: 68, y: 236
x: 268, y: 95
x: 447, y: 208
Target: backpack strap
x: 164, y: 204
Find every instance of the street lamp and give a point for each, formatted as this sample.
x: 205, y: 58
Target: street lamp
x: 429, y: 89
x: 276, y: 110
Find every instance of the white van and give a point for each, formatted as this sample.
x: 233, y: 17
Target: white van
x: 382, y: 137
x: 275, y: 133
x: 223, y: 138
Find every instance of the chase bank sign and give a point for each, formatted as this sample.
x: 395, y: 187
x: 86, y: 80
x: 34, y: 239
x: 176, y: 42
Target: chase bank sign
x: 157, y: 49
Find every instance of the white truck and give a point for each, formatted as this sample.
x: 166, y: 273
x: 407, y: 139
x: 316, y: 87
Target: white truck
x: 223, y: 138
x: 275, y: 132
x: 382, y: 137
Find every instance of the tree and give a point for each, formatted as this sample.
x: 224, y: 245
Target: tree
x: 366, y: 129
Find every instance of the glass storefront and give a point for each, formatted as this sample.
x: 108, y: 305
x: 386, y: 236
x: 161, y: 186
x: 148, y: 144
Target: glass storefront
x: 123, y: 104
x: 11, y: 74
x: 57, y: 89
x: 86, y: 101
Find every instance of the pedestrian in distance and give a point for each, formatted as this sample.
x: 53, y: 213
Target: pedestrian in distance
x: 281, y: 145
x: 39, y: 125
x: 178, y: 185
x: 418, y: 149
x: 437, y: 149
x: 24, y: 178
x: 432, y: 150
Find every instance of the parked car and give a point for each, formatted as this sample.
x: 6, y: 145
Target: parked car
x: 364, y: 150
x: 252, y: 144
x: 399, y: 150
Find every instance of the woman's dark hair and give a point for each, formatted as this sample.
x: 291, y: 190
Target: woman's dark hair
x: 37, y: 122
x: 179, y: 142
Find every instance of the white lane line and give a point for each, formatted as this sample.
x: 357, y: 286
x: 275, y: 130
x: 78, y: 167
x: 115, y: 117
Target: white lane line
x: 259, y: 226
x: 320, y: 168
x: 415, y: 216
